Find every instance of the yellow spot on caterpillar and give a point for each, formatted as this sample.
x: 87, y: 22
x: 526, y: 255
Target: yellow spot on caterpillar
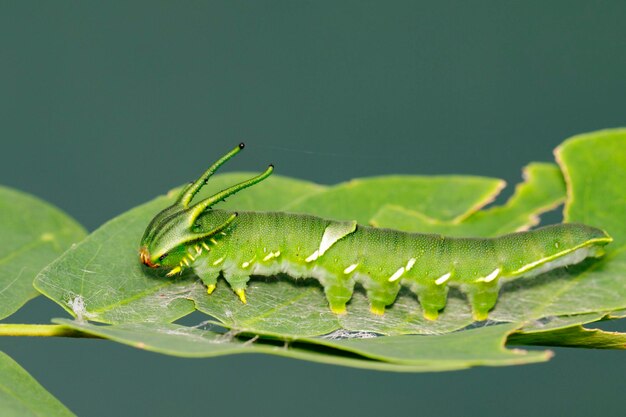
x: 490, y: 277
x: 378, y: 310
x: 223, y: 233
x: 338, y: 309
x: 312, y: 257
x: 213, y: 241
x: 210, y: 289
x: 174, y: 271
x: 185, y: 261
x: 397, y: 274
x: 479, y: 315
x: 431, y: 315
x: 190, y: 256
x: 218, y: 261
x: 409, y: 264
x: 443, y: 278
x: 205, y: 246
x: 241, y: 293
x: 350, y: 268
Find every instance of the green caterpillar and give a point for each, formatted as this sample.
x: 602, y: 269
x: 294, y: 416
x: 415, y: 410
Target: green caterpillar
x: 339, y: 254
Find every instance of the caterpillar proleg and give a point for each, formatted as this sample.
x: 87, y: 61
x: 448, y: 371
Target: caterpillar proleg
x: 339, y: 254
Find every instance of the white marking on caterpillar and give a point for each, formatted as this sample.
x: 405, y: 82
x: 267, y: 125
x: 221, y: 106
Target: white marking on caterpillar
x: 219, y: 261
x: 350, y: 268
x: 410, y: 264
x: 397, y: 274
x: 312, y: 256
x: 272, y: 255
x: 443, y: 278
x: 247, y: 263
x: 490, y: 277
x: 198, y: 250
x: 333, y: 233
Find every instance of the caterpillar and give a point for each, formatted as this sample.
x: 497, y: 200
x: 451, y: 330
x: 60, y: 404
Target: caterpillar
x: 339, y: 254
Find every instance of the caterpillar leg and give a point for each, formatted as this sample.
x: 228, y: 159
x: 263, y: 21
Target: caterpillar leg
x: 238, y: 283
x: 432, y: 298
x: 380, y: 296
x: 208, y: 278
x: 338, y: 296
x: 482, y: 297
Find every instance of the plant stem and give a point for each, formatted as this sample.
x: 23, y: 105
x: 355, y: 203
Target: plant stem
x: 39, y: 330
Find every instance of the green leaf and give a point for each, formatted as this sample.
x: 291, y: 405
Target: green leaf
x: 594, y: 165
x: 562, y: 322
x: 402, y: 353
x: 569, y: 331
x: 444, y: 197
x: 480, y: 346
x: 22, y: 396
x: 575, y: 336
x: 102, y: 279
x: 32, y: 234
x: 543, y: 189
x: 117, y: 290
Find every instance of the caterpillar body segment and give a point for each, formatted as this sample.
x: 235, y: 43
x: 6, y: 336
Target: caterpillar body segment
x: 341, y: 254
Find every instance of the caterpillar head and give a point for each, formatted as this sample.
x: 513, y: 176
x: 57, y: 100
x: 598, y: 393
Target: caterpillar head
x: 174, y: 230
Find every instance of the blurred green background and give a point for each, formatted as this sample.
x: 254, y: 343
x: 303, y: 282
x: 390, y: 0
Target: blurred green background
x: 104, y: 105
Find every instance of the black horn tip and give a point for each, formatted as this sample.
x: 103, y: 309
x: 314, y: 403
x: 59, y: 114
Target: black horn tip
x: 242, y: 145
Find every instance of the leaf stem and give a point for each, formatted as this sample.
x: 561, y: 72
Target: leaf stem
x: 40, y: 330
